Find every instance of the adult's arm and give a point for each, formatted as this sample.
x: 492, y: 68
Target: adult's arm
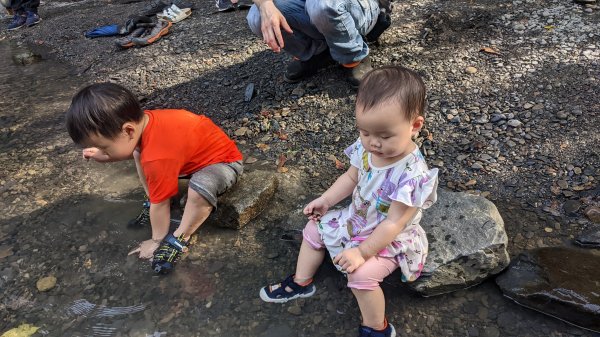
x: 271, y: 23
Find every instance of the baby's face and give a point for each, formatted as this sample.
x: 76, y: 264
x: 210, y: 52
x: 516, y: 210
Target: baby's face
x: 385, y: 132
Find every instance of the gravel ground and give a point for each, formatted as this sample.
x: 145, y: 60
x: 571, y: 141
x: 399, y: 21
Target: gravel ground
x: 513, y: 116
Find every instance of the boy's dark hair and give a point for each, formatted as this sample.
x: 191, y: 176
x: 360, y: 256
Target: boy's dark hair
x: 102, y: 109
x: 393, y: 84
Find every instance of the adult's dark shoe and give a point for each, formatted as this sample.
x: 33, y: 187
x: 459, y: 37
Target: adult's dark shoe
x: 298, y: 70
x: 32, y: 19
x: 356, y: 71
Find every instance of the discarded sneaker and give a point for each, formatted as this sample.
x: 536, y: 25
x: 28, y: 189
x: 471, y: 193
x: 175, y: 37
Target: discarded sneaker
x: 389, y: 331
x: 32, y: 19
x: 154, y: 7
x: 297, y: 70
x: 126, y: 42
x: 168, y: 253
x: 159, y: 30
x: 279, y: 293
x: 17, y: 22
x: 225, y: 5
x: 143, y: 219
x: 356, y: 71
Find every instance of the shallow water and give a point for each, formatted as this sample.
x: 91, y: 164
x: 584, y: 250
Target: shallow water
x: 82, y: 240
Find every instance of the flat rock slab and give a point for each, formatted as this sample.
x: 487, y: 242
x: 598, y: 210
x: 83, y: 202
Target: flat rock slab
x: 589, y: 238
x: 467, y: 243
x: 558, y: 281
x: 246, y: 200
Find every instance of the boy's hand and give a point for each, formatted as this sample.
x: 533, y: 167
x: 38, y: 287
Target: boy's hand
x: 94, y: 153
x: 146, y: 249
x: 316, y: 208
x: 349, y: 259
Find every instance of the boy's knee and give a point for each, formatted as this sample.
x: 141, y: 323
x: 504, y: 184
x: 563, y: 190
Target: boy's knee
x: 198, y: 200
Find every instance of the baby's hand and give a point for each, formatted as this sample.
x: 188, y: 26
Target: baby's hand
x: 316, y: 208
x: 349, y: 260
x: 146, y: 249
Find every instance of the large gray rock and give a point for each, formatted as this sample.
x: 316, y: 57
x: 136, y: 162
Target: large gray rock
x: 558, y: 281
x: 247, y: 199
x: 589, y: 238
x: 467, y: 243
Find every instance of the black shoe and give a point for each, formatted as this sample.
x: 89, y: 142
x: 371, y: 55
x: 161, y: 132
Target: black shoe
x: 143, y: 219
x: 356, y: 73
x: 297, y: 70
x: 168, y: 253
x: 154, y: 7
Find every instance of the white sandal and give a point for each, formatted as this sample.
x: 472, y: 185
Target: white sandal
x: 174, y: 14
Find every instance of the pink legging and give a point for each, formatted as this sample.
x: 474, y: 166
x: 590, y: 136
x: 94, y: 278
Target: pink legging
x: 366, y: 277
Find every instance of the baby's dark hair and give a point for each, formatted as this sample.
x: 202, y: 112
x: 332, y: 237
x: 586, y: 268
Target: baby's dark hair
x: 392, y: 84
x: 102, y: 109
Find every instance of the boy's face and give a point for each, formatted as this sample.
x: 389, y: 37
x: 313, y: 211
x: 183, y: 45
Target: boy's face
x: 385, y: 132
x: 119, y: 148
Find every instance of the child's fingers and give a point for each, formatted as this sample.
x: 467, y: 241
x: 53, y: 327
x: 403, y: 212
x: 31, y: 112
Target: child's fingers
x: 137, y: 250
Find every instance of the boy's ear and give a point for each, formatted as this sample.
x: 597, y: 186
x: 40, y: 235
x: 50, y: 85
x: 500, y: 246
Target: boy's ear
x: 417, y: 124
x: 129, y: 129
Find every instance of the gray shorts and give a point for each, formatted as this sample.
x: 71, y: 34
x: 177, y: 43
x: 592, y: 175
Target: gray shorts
x: 214, y: 180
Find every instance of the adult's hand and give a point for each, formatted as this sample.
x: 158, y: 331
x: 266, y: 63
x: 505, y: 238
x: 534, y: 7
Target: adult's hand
x: 272, y: 21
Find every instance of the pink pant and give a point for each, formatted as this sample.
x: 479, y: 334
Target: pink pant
x: 366, y: 277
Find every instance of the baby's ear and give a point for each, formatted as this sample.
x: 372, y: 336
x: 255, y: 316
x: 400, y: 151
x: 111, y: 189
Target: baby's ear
x: 417, y: 124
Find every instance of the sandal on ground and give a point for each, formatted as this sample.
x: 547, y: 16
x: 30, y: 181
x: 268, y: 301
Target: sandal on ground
x: 278, y: 293
x: 174, y: 14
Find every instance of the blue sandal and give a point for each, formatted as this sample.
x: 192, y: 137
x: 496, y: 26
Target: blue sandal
x: 277, y: 293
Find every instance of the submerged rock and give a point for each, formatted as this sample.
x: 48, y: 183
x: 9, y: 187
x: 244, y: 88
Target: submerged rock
x: 467, y: 243
x: 250, y: 196
x: 46, y: 283
x: 558, y: 281
x: 589, y: 238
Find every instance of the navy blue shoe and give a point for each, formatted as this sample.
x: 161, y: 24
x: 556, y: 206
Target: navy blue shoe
x: 32, y: 19
x: 143, y: 219
x: 168, y: 253
x: 277, y: 293
x: 17, y: 22
x: 365, y: 331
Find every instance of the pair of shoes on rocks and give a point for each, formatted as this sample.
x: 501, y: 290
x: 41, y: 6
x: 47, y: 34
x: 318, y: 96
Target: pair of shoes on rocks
x: 229, y: 5
x: 298, y: 70
x: 144, y: 36
x: 168, y: 253
x: 174, y: 14
x: 28, y: 19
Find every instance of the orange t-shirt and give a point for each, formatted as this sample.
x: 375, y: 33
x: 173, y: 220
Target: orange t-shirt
x: 179, y: 142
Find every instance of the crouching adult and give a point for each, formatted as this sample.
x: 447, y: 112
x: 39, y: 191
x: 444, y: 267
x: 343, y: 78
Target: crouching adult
x: 317, y: 33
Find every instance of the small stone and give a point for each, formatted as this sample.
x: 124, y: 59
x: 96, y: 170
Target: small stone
x: 241, y: 131
x: 295, y: 310
x: 593, y: 213
x: 470, y: 70
x: 298, y: 92
x: 250, y: 160
x: 46, y: 283
x: 571, y: 207
x: 514, y: 123
x: 527, y: 106
x: 548, y: 230
x: 476, y: 166
x: 563, y: 184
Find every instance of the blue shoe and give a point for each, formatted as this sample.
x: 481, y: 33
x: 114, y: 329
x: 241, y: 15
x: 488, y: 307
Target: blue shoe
x: 389, y: 331
x: 18, y: 22
x: 277, y: 293
x: 32, y: 19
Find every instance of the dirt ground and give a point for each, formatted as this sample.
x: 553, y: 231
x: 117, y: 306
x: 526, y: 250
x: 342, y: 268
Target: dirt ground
x: 520, y: 128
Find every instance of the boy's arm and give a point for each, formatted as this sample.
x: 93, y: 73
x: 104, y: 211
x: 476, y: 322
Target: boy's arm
x: 160, y: 219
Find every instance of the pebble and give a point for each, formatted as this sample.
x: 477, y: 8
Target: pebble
x: 476, y: 166
x: 470, y: 70
x: 514, y: 123
x: 45, y: 283
x: 571, y: 207
x: 593, y: 213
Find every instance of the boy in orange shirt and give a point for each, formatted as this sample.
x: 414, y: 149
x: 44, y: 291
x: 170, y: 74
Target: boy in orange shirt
x: 107, y: 120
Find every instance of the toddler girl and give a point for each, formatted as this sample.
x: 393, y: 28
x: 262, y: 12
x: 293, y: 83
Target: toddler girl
x: 390, y: 186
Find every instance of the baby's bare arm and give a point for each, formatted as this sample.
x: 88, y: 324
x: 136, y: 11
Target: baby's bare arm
x: 342, y: 187
x: 399, y: 215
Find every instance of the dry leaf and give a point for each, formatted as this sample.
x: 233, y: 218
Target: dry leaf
x: 489, y: 50
x: 282, y: 170
x: 264, y: 147
x: 282, y: 135
x: 339, y: 165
